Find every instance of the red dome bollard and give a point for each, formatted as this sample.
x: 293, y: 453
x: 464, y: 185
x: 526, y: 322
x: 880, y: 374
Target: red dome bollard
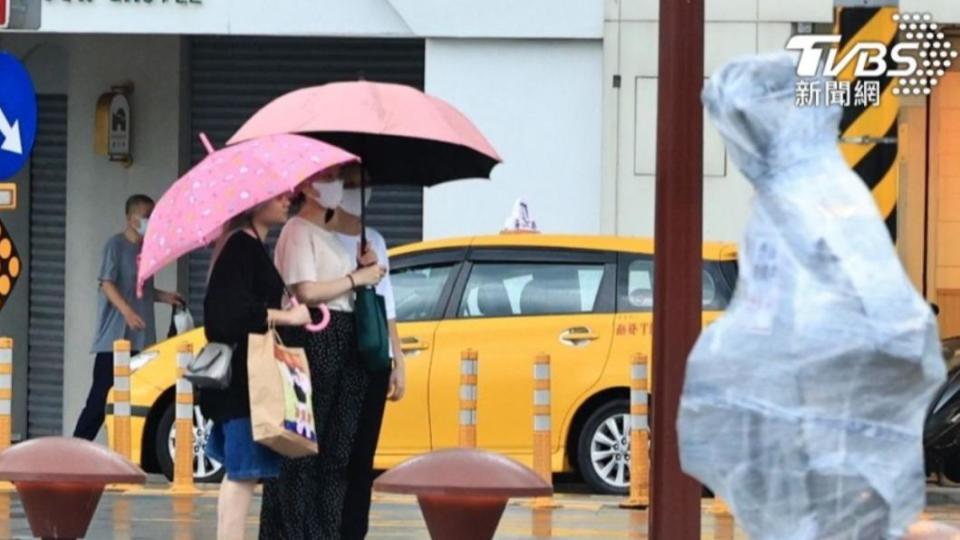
x: 60, y: 481
x: 462, y: 492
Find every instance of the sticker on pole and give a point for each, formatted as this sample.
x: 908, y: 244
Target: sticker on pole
x: 18, y: 115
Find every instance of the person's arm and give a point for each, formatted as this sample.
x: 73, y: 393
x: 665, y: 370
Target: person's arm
x: 133, y: 320
x: 298, y: 315
x: 398, y: 376
x: 317, y: 292
x: 167, y: 297
x: 108, y: 276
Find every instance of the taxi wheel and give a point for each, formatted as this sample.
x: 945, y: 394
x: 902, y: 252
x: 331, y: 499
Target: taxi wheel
x: 603, y: 451
x: 205, y: 469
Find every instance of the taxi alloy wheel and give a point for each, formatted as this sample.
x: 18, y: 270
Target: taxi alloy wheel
x: 603, y: 452
x: 205, y: 469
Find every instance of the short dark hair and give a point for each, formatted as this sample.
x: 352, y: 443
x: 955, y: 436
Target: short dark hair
x: 138, y: 200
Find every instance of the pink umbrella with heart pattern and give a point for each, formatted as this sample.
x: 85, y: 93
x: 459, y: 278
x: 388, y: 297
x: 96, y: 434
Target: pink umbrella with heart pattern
x: 228, y: 182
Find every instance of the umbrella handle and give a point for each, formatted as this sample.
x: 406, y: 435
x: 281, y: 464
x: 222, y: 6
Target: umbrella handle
x: 324, y: 319
x: 206, y: 143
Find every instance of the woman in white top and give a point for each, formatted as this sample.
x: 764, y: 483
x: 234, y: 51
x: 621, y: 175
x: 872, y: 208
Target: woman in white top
x: 382, y: 385
x: 306, y: 501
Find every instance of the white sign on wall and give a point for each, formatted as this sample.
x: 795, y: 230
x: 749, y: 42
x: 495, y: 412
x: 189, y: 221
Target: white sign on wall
x: 118, y: 141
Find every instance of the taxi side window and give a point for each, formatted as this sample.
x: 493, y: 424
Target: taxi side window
x: 525, y: 289
x: 417, y: 291
x: 636, y: 287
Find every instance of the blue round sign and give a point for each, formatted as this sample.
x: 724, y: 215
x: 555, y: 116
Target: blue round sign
x: 18, y: 115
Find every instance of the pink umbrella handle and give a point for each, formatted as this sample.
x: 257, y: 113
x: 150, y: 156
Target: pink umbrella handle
x: 206, y: 143
x: 324, y: 319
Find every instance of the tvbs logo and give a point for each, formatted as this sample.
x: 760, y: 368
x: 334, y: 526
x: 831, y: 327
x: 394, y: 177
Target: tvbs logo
x: 920, y: 57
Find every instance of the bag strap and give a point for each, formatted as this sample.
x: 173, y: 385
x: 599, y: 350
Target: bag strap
x: 286, y: 290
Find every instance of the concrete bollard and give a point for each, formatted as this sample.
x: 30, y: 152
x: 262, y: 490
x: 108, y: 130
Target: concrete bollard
x: 183, y: 454
x: 542, y: 451
x: 121, y: 398
x: 469, y: 361
x: 639, y: 435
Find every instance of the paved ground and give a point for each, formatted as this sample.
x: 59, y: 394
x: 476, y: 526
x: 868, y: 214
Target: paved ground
x: 153, y: 514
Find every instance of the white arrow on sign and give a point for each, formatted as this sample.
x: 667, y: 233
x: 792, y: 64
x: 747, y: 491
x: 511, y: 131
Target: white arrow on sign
x: 11, y: 135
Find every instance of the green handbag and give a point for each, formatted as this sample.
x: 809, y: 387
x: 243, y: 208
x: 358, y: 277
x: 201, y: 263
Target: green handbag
x: 373, y: 335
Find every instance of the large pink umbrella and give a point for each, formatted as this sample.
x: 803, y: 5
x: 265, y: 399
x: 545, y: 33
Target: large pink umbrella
x: 228, y: 182
x: 403, y: 135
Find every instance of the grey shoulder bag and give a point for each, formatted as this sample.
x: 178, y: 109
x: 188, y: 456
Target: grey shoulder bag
x: 211, y: 368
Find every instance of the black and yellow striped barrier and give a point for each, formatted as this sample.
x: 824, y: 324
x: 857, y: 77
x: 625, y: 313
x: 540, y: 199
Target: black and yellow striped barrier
x: 868, y: 130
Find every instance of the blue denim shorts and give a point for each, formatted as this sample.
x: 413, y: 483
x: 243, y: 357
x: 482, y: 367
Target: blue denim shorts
x: 231, y: 443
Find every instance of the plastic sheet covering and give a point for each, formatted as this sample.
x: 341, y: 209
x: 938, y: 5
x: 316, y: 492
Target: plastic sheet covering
x: 803, y: 405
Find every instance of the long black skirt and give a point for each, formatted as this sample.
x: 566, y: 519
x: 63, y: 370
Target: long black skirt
x: 306, y: 501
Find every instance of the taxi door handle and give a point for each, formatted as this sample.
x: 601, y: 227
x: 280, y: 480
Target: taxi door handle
x: 412, y: 346
x: 578, y: 335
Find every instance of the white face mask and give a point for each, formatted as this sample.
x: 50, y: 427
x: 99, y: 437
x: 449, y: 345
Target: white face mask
x: 142, y: 226
x: 331, y: 193
x: 352, y: 203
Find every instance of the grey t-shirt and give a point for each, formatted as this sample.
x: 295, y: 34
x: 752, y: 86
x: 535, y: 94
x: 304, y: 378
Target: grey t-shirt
x: 120, y: 267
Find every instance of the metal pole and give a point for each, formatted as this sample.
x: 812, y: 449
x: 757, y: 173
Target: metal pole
x: 675, y: 504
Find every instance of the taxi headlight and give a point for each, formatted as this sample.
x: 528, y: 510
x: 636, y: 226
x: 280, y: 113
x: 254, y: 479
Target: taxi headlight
x: 142, y: 359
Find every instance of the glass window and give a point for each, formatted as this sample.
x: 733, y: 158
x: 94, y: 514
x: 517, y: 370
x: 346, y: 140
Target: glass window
x: 417, y: 291
x: 511, y: 289
x: 638, y: 295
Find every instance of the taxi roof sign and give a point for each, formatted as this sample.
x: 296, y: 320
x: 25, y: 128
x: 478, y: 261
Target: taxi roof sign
x: 520, y: 221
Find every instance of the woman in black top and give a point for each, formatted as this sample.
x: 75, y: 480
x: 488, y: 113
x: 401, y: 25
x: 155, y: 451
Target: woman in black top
x: 244, y: 296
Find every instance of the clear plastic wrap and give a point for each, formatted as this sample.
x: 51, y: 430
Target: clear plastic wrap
x: 803, y: 405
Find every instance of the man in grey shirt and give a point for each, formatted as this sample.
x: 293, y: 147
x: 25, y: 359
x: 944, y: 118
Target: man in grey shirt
x: 120, y: 314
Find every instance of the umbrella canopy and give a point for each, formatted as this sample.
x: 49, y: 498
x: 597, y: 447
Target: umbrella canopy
x: 403, y: 135
x: 228, y: 182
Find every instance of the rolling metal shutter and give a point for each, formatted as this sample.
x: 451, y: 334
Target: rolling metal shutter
x: 232, y: 77
x: 48, y: 212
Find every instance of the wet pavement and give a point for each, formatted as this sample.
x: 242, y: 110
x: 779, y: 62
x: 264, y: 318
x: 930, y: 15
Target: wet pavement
x: 155, y: 514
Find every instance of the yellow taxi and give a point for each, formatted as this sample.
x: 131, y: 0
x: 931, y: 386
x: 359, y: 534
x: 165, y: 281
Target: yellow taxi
x: 585, y: 300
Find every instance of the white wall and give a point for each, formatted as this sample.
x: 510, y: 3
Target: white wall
x: 631, y: 43
x: 424, y: 18
x: 286, y: 17
x: 538, y: 102
x: 581, y: 19
x: 97, y: 188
